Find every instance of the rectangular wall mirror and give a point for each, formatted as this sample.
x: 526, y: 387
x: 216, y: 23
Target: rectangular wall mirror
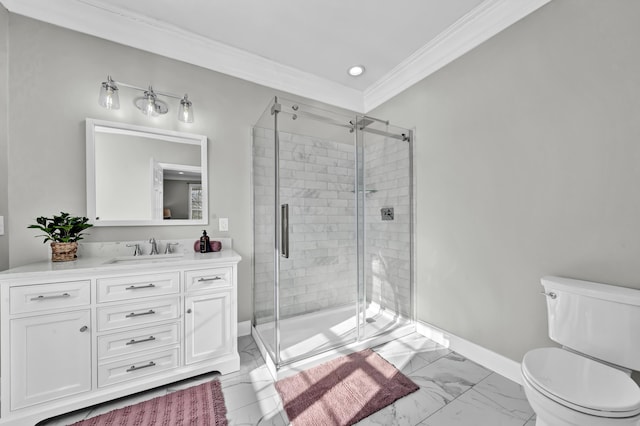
x: 140, y: 176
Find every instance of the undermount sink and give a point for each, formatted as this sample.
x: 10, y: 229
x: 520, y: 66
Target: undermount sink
x: 134, y: 260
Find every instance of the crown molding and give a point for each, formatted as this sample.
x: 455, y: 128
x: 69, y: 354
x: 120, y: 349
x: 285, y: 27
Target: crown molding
x: 101, y: 20
x: 113, y: 24
x: 477, y: 26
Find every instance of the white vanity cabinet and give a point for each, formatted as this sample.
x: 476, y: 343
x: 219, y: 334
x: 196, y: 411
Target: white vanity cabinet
x: 41, y: 368
x: 207, y: 308
x: 75, y: 337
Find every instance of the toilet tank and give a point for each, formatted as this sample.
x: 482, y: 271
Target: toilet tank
x: 599, y: 320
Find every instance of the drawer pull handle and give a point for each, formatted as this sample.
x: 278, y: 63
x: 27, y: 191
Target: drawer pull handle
x: 134, y: 368
x: 216, y: 278
x: 133, y: 287
x: 83, y: 328
x: 133, y: 341
x: 134, y: 314
x: 57, y: 296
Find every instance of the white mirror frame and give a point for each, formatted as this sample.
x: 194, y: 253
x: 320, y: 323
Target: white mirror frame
x: 147, y: 132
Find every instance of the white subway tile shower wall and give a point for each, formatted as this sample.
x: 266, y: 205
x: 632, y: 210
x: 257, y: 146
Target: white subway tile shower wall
x: 263, y: 218
x: 317, y: 181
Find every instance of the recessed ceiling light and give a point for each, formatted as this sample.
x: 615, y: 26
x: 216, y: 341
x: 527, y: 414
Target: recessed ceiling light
x: 356, y: 70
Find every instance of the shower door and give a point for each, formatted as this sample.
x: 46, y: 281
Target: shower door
x: 318, y: 257
x: 313, y: 306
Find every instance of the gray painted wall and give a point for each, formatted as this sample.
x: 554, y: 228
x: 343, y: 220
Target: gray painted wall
x: 176, y: 197
x: 526, y: 158
x: 54, y: 80
x: 528, y: 164
x: 4, y: 100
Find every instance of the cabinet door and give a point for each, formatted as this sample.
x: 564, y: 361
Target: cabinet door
x: 207, y: 326
x: 50, y: 357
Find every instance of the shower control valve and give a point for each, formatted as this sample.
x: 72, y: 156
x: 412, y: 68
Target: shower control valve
x: 386, y: 213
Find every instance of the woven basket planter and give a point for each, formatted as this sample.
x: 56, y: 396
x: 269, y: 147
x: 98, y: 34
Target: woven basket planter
x: 63, y: 252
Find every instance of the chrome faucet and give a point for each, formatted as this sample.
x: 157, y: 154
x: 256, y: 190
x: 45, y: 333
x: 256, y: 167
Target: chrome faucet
x: 168, y: 249
x: 154, y: 246
x: 136, y: 250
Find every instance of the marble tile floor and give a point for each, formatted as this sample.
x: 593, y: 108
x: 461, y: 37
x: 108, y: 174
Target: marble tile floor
x: 454, y: 391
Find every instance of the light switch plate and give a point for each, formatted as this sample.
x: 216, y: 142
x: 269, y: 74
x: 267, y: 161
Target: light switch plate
x: 1, y: 225
x: 223, y: 224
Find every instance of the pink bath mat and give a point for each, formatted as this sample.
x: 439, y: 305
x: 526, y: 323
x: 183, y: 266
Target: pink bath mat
x: 343, y: 391
x: 201, y: 405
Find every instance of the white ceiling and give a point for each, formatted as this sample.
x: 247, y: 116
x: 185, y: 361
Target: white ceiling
x: 303, y: 47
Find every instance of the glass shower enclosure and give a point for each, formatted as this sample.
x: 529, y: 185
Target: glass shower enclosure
x: 332, y: 214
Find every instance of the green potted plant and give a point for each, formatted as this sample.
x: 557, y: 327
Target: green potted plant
x: 64, y: 232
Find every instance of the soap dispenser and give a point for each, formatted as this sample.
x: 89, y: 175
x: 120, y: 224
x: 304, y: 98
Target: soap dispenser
x: 205, y: 245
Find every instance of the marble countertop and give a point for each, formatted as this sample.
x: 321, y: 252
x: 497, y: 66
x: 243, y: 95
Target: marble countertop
x: 117, y: 257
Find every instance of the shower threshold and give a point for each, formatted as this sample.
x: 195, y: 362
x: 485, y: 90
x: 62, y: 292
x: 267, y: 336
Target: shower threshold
x: 310, y: 339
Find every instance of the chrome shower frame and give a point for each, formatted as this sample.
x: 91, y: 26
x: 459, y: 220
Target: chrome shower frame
x: 360, y: 125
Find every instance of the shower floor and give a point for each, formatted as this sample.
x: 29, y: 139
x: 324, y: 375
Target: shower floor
x: 320, y: 331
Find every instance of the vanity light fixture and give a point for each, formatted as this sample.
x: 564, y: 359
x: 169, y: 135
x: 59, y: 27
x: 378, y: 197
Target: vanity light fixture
x: 148, y: 103
x: 356, y: 70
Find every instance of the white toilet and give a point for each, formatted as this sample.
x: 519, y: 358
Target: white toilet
x: 586, y: 382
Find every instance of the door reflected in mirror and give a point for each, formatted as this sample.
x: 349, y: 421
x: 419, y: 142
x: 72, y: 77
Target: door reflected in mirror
x: 145, y: 176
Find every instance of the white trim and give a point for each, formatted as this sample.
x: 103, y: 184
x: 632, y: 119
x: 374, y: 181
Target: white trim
x: 244, y: 328
x: 112, y: 23
x: 92, y: 125
x: 482, y: 23
x: 476, y: 353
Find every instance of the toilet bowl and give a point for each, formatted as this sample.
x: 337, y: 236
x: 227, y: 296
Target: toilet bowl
x: 587, y: 382
x: 567, y: 389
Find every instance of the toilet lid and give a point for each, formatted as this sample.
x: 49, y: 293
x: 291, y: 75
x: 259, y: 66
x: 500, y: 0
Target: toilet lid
x: 581, y: 383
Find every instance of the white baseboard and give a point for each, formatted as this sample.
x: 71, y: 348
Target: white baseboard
x: 476, y: 353
x: 244, y: 328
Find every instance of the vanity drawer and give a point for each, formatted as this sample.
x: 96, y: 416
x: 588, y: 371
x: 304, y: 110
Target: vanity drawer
x: 137, y: 340
x: 137, y: 314
x: 40, y: 297
x: 135, y: 367
x: 211, y: 278
x: 136, y: 286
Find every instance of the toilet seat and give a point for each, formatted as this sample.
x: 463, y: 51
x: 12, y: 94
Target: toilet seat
x: 581, y: 383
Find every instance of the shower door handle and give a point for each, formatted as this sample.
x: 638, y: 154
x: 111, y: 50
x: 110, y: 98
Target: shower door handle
x: 284, y: 230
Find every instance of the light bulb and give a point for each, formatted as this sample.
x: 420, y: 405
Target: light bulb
x: 108, y: 97
x: 185, y: 111
x: 151, y: 107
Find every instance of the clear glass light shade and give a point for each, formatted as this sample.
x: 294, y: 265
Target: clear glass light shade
x: 150, y: 105
x: 149, y: 108
x: 109, y: 95
x: 185, y: 110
